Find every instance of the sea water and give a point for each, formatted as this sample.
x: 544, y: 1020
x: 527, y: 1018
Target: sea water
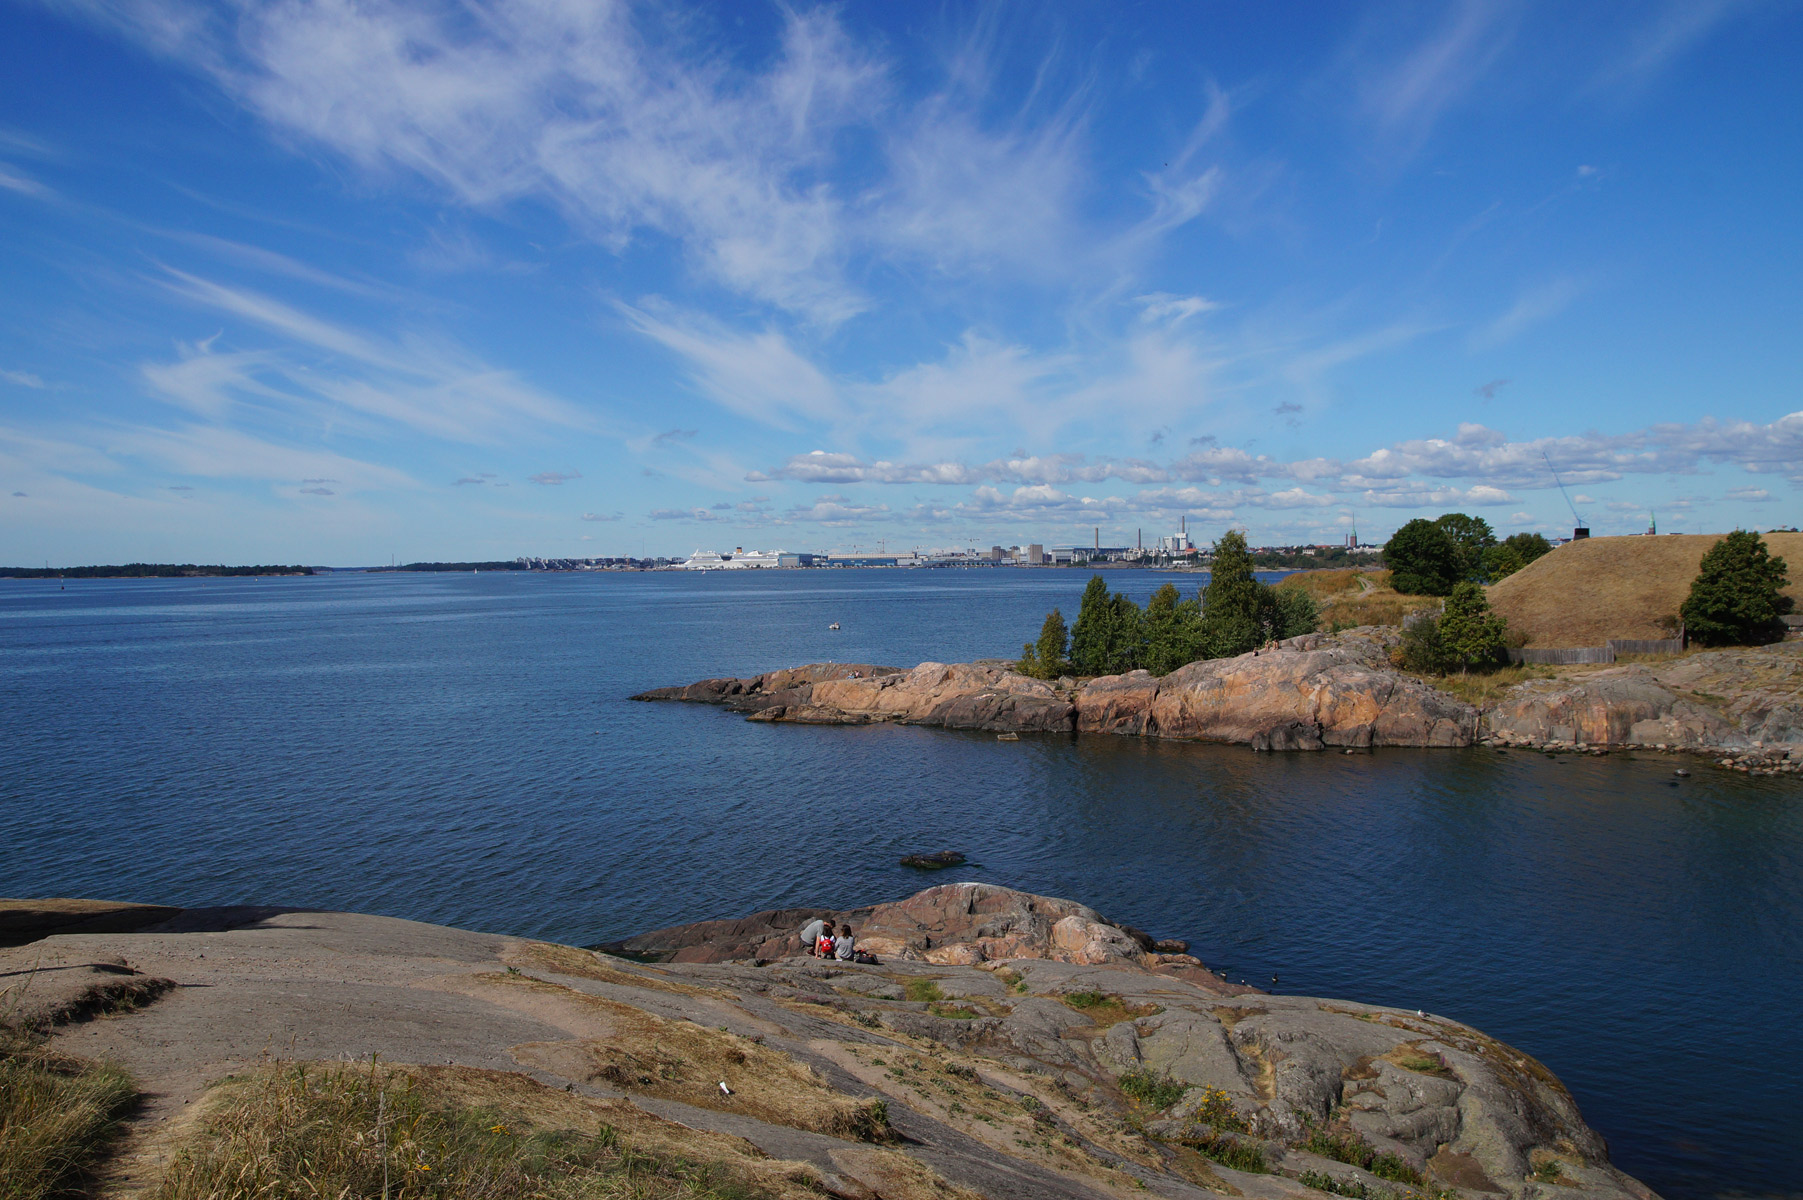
x: 461, y: 749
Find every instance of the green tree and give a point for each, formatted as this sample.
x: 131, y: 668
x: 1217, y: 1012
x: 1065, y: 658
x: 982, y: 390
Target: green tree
x: 1238, y: 612
x: 1470, y: 634
x: 1513, y: 553
x: 1423, y: 650
x: 1471, y: 537
x: 1736, y: 598
x: 1423, y: 559
x: 1297, y: 612
x: 1127, y: 637
x: 1044, y: 659
x: 1090, y: 635
x: 1173, y: 631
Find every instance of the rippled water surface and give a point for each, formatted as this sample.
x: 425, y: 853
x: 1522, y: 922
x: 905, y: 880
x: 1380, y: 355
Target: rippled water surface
x: 460, y: 749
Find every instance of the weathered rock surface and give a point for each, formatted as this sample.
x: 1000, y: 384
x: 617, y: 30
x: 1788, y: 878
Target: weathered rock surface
x: 960, y: 923
x: 1307, y: 693
x: 1006, y: 1082
x: 1736, y: 699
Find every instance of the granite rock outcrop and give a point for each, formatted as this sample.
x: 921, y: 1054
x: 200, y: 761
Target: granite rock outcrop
x: 1306, y: 693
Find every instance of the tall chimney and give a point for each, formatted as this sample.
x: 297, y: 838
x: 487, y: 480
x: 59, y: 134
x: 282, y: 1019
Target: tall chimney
x: 1098, y: 537
x: 1184, y: 530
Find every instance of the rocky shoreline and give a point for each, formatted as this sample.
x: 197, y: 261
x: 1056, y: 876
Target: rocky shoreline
x: 1008, y: 1046
x: 1316, y: 692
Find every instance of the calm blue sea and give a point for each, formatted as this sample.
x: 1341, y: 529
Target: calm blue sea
x: 459, y: 748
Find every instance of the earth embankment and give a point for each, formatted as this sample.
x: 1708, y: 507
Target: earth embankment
x: 1584, y: 593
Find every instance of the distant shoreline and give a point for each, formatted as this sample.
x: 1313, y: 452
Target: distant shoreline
x: 149, y: 571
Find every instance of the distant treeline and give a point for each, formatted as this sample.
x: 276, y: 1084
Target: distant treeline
x: 1311, y: 559
x: 145, y: 571
x: 470, y: 566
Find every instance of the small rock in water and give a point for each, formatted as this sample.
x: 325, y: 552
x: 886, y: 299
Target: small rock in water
x: 1007, y: 737
x: 934, y: 862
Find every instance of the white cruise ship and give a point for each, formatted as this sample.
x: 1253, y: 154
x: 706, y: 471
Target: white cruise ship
x: 740, y: 559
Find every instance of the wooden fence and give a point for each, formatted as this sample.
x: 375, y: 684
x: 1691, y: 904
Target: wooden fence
x: 1574, y: 655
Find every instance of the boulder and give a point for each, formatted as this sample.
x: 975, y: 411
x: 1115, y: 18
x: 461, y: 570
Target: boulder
x: 956, y: 923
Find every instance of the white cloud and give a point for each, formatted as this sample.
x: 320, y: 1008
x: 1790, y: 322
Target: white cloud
x: 23, y: 379
x: 14, y: 180
x: 553, y: 478
x: 589, y: 516
x: 1531, y: 308
x: 757, y: 375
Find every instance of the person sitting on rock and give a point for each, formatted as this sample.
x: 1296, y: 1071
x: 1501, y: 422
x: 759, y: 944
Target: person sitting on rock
x: 824, y: 947
x: 810, y: 936
x: 844, y: 946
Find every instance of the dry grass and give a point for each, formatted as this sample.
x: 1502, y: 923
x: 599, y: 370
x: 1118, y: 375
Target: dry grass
x: 1584, y: 593
x: 586, y: 964
x: 680, y: 1060
x: 343, y: 1131
x: 1481, y: 690
x: 57, y: 1115
x: 1354, y: 596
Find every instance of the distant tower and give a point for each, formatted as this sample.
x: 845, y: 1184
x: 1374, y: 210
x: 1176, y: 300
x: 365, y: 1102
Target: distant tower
x: 1652, y: 525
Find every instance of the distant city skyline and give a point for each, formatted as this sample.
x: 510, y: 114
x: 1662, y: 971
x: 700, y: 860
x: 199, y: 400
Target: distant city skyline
x: 315, y: 282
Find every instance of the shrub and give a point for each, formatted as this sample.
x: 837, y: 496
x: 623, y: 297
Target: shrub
x: 1156, y: 1092
x: 1470, y: 634
x: 1353, y: 1149
x: 1044, y: 659
x: 1736, y: 598
x: 922, y: 990
x: 1216, y: 1109
x: 1423, y: 650
x: 1230, y: 1151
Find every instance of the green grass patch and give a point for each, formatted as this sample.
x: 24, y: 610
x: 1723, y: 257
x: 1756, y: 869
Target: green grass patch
x: 922, y: 991
x: 952, y: 1012
x: 1353, y: 1149
x: 1105, y: 1008
x: 1150, y: 1090
x: 58, y: 1114
x: 1230, y: 1151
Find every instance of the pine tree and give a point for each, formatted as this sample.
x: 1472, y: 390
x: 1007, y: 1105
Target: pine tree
x: 1044, y: 659
x: 1173, y: 631
x: 1127, y: 637
x: 1238, y: 612
x: 1091, y: 635
x: 1470, y: 634
x: 1297, y: 612
x: 1736, y: 598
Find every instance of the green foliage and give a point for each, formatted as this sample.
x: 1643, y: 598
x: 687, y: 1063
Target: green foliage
x: 1351, y: 1148
x: 1470, y: 634
x: 1472, y: 538
x: 1736, y: 597
x: 1423, y: 559
x: 1513, y: 553
x: 1045, y: 659
x: 1229, y: 1151
x: 922, y: 990
x: 1297, y: 612
x: 1093, y: 634
x: 1156, y: 1092
x: 1423, y: 650
x: 1238, y: 612
x: 1173, y: 631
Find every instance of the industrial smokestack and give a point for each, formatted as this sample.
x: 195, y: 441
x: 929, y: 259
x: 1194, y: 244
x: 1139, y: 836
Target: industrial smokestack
x: 1098, y: 537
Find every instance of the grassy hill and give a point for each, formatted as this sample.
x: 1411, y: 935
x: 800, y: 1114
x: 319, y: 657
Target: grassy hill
x: 1584, y: 593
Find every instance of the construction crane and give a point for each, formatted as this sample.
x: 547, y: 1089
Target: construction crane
x: 1582, y: 529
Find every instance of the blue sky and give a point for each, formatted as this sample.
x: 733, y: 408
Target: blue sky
x: 330, y: 280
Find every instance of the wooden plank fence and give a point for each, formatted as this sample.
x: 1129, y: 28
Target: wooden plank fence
x: 1647, y: 645
x: 1567, y: 656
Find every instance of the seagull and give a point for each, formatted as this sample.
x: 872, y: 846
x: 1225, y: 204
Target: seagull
x: 1418, y: 1013
x: 724, y: 1090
